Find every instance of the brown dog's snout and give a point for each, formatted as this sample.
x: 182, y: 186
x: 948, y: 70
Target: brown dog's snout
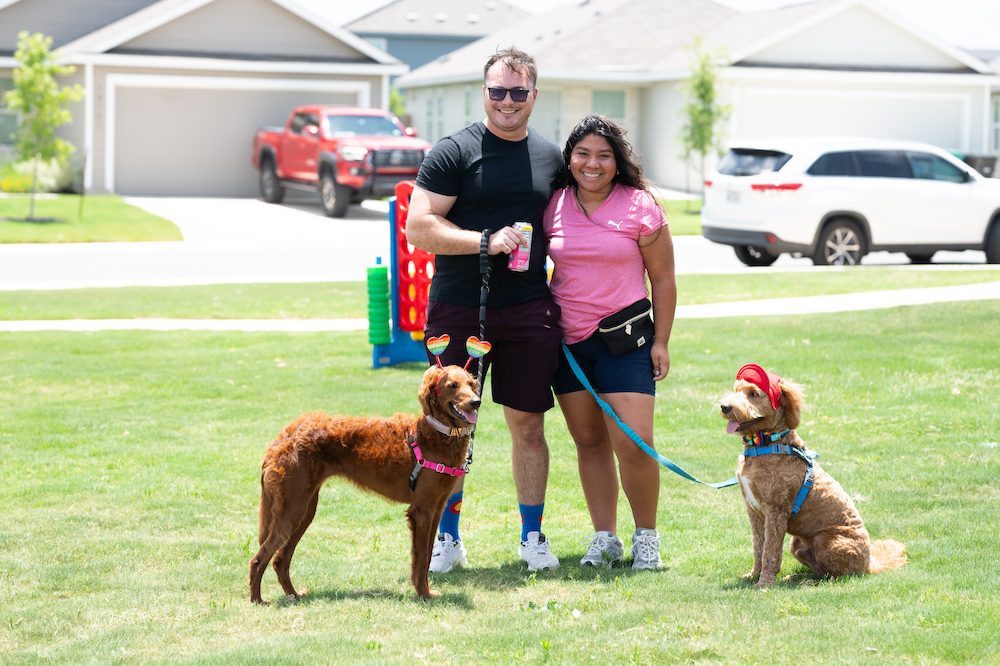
x: 726, y: 408
x: 476, y: 403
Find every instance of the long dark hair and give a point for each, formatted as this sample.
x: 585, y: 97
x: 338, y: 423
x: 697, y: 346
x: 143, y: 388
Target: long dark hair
x: 629, y: 169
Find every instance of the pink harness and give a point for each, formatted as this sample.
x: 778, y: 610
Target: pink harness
x: 440, y: 468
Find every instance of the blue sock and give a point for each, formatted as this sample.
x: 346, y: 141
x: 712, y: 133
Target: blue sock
x: 452, y: 512
x: 531, y: 518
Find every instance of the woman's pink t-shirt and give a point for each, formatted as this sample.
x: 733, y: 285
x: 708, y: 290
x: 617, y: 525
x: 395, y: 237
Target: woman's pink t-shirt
x: 598, y: 265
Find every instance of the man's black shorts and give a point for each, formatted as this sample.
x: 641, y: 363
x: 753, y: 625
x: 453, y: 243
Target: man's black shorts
x: 525, y: 354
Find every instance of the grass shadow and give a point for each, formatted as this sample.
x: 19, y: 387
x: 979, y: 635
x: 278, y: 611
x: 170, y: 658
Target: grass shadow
x: 457, y: 599
x: 34, y: 220
x: 800, y: 578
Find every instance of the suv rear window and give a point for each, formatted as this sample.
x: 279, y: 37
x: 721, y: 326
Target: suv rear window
x: 883, y: 164
x: 750, y: 162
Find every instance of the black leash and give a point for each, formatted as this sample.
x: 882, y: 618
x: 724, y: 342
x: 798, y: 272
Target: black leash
x: 484, y: 271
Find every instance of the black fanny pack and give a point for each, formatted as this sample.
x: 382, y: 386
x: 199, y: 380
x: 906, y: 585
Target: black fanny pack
x: 628, y: 329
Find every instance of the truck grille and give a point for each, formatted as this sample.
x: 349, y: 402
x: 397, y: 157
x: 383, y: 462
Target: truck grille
x: 397, y: 158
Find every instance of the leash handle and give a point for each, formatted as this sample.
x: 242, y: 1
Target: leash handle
x: 631, y: 433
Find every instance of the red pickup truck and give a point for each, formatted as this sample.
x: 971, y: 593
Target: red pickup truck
x: 347, y: 154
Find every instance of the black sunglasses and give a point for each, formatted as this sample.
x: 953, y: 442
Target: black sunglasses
x: 516, y: 94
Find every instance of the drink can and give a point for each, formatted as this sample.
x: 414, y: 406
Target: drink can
x: 518, y: 260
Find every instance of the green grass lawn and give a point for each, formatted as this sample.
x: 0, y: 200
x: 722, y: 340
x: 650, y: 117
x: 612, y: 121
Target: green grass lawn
x: 348, y: 300
x: 130, y: 479
x: 81, y: 220
x: 684, y: 217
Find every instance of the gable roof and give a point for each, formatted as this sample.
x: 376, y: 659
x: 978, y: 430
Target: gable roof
x: 136, y: 32
x: 597, y: 40
x: 60, y: 20
x: 458, y: 18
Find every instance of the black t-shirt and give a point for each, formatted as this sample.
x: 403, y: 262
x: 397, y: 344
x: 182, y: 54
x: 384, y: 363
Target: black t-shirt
x: 497, y: 183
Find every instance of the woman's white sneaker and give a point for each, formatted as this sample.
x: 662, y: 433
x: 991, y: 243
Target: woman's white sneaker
x: 605, y: 549
x: 646, y: 549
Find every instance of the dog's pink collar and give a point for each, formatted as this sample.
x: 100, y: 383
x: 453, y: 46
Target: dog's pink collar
x: 421, y: 464
x: 445, y: 430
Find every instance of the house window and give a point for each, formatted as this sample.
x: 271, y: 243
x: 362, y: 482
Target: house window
x: 610, y: 103
x: 378, y: 42
x: 8, y: 119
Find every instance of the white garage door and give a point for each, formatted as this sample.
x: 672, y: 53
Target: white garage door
x: 196, y: 141
x: 939, y: 119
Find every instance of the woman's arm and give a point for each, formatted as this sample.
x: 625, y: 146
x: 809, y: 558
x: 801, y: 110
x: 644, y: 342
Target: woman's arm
x: 658, y: 257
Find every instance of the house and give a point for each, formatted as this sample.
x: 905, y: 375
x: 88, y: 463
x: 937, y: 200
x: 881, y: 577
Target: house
x: 419, y: 31
x: 176, y: 88
x: 834, y: 67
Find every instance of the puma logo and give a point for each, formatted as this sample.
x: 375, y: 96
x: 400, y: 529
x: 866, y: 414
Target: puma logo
x: 617, y: 225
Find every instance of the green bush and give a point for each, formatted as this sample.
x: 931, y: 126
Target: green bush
x: 51, y: 176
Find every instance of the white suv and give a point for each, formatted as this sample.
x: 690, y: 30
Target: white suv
x: 836, y: 199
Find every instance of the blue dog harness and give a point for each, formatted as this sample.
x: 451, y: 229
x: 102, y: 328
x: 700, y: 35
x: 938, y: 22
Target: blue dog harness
x: 754, y: 447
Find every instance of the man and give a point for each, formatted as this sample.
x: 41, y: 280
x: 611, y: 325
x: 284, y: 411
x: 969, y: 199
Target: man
x: 486, y: 177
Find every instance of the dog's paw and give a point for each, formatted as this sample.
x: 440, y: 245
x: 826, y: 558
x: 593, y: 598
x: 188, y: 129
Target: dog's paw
x: 766, y: 581
x: 431, y: 594
x: 751, y: 575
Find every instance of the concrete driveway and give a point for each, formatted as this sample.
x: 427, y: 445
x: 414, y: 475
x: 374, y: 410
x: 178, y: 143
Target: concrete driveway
x: 247, y: 240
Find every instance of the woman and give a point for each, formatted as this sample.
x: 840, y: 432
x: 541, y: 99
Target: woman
x: 606, y: 233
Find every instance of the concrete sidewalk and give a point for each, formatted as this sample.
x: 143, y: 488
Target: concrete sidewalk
x: 872, y: 300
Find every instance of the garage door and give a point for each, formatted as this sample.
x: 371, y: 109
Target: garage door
x: 938, y: 119
x: 196, y: 141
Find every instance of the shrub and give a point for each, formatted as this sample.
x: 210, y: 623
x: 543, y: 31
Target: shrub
x: 52, y: 176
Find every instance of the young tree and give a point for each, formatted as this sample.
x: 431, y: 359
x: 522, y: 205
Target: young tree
x: 703, y: 113
x: 41, y: 103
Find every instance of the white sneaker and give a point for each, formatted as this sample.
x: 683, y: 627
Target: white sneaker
x: 646, y: 549
x: 535, y: 551
x: 447, y: 553
x: 605, y: 549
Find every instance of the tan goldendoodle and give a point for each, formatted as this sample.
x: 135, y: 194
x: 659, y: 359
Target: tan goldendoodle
x: 786, y: 491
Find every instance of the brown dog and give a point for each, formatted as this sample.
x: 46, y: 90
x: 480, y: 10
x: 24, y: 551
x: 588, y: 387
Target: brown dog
x: 827, y: 533
x: 375, y: 454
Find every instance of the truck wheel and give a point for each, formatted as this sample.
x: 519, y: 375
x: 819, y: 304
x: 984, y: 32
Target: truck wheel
x: 271, y: 189
x: 751, y: 255
x: 335, y: 197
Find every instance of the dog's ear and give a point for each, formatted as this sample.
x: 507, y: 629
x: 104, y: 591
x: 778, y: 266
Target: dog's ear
x: 427, y: 395
x: 792, y: 399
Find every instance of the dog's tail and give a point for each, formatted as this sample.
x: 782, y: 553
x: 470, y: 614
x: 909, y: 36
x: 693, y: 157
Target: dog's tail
x: 886, y: 555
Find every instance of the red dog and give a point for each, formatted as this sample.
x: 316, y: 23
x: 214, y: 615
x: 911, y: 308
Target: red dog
x: 785, y: 491
x: 377, y: 454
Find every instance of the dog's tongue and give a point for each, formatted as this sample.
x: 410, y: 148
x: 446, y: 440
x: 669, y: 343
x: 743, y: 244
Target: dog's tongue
x: 470, y: 417
x: 732, y: 426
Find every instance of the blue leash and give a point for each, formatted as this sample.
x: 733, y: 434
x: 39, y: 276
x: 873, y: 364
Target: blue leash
x: 631, y: 433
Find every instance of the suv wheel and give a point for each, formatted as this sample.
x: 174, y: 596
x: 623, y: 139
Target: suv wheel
x: 993, y: 245
x: 751, y: 255
x: 335, y: 197
x: 840, y: 244
x: 271, y: 189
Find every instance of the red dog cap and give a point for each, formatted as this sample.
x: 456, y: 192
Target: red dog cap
x: 763, y: 380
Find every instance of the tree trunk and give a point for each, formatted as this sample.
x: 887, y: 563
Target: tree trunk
x: 34, y: 181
